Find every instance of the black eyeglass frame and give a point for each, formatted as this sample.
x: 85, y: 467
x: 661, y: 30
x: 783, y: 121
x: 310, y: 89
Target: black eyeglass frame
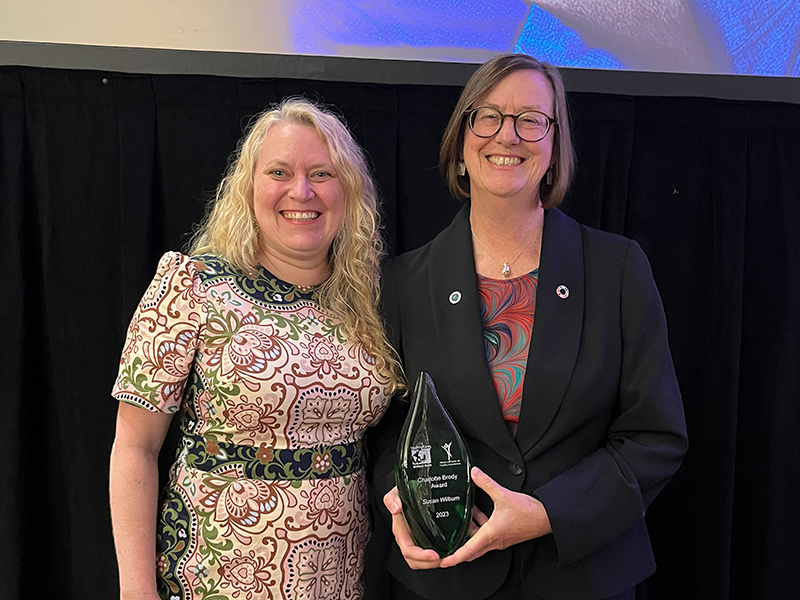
x: 470, y: 114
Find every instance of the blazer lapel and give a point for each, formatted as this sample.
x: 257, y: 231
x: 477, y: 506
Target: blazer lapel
x: 459, y: 332
x: 557, y: 327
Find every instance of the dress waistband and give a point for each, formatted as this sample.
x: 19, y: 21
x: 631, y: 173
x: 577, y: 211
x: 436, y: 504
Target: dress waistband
x: 261, y: 462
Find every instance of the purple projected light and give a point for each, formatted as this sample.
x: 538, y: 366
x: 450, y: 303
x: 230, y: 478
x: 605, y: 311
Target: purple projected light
x: 335, y: 27
x: 758, y: 37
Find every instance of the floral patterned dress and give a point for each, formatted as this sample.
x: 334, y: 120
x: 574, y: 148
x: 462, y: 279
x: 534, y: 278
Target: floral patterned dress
x: 267, y: 497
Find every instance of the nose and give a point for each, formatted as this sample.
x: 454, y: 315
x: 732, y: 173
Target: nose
x: 507, y: 134
x: 301, y: 189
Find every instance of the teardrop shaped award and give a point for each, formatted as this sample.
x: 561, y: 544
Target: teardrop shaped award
x: 432, y: 473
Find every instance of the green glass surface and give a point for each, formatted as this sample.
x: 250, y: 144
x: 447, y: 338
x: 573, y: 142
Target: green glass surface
x: 432, y: 473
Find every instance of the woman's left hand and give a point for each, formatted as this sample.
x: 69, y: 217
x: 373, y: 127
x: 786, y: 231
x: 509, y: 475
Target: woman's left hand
x: 516, y: 518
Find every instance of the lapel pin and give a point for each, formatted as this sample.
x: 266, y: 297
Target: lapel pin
x: 562, y: 291
x: 455, y: 297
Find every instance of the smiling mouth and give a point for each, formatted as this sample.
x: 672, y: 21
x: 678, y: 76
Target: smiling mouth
x: 504, y: 161
x: 300, y: 216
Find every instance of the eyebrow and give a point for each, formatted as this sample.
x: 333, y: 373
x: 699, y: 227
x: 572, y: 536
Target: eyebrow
x: 525, y: 108
x: 282, y: 163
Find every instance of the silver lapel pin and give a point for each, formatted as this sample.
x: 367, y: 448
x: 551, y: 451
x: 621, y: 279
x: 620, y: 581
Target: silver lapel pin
x: 562, y: 291
x: 455, y: 297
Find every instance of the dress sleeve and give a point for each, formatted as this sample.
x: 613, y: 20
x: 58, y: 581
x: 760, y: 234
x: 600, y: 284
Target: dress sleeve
x: 162, y: 337
x: 607, y: 493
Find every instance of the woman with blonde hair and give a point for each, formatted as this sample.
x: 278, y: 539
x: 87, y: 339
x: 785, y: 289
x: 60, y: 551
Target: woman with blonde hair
x: 267, y: 340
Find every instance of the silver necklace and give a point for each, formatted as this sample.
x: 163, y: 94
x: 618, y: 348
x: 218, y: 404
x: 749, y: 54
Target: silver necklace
x: 506, y: 266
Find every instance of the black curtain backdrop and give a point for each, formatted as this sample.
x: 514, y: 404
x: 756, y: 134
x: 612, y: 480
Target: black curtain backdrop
x: 102, y: 172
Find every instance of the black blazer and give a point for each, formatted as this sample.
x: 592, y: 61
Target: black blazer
x: 601, y: 429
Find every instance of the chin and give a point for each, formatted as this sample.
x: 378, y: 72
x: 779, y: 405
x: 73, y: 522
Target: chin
x: 512, y: 193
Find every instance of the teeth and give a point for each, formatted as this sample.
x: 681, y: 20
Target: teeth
x: 504, y: 160
x: 300, y: 216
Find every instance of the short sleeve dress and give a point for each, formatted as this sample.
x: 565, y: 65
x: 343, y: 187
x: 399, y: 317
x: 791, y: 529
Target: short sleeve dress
x: 267, y: 497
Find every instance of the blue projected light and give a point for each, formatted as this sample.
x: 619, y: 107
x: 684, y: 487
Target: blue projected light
x: 758, y: 37
x: 334, y: 27
x: 547, y: 38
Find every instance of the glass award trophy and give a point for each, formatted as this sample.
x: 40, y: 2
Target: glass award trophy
x: 432, y: 473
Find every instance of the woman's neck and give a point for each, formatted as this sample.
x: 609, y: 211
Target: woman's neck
x: 505, y: 223
x: 507, y: 237
x: 301, y: 273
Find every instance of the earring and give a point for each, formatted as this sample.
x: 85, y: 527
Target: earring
x: 549, y: 179
x: 462, y: 168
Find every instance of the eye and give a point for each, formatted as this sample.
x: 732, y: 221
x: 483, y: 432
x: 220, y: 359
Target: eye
x: 321, y: 175
x: 279, y: 173
x: 533, y: 120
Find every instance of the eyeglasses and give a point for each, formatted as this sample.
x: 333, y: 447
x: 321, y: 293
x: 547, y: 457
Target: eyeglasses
x: 531, y: 125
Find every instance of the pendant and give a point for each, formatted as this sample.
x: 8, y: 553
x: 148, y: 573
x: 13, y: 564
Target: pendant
x: 506, y: 270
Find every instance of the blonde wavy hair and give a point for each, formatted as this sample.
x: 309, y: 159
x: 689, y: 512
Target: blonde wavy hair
x: 352, y: 291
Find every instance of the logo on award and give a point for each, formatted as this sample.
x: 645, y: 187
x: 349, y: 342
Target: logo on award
x: 420, y: 456
x: 446, y: 448
x: 450, y: 461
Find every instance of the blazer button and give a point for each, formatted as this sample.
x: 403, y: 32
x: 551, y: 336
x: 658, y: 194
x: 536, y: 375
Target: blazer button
x: 514, y: 468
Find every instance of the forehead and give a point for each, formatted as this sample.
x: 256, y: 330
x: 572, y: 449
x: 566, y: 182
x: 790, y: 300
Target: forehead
x: 520, y: 90
x: 293, y: 141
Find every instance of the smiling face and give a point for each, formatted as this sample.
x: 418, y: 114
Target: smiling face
x: 298, y: 199
x: 505, y: 166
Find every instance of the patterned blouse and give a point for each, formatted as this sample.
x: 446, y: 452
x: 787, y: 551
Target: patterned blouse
x: 267, y: 497
x: 507, y: 310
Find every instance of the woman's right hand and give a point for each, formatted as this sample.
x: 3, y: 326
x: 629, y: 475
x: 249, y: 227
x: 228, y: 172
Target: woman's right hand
x: 416, y: 557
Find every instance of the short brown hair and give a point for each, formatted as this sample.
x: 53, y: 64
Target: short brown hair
x: 483, y: 80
